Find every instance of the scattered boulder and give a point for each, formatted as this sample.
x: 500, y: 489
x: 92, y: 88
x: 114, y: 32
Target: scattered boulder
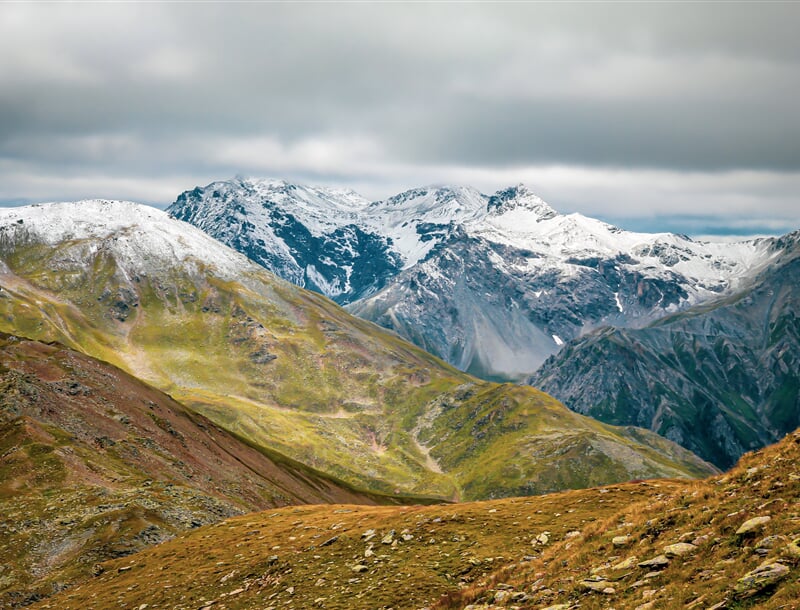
x: 792, y: 550
x: 368, y: 535
x: 700, y: 540
x: 656, y: 563
x: 360, y: 568
x: 591, y: 585
x: 679, y: 549
x: 765, y: 545
x: 753, y: 526
x: 620, y: 541
x: 763, y: 577
x: 542, y: 539
x: 625, y: 563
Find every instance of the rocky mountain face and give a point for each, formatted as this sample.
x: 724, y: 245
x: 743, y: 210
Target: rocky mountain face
x: 731, y: 541
x: 288, y: 370
x: 719, y: 378
x: 309, y: 236
x: 95, y: 464
x: 491, y: 284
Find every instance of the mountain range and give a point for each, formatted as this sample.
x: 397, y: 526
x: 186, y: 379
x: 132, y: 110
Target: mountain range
x: 492, y: 284
x: 720, y: 378
x: 654, y: 330
x: 288, y: 370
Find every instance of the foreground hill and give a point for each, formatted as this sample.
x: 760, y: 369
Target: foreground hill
x: 94, y: 464
x: 288, y: 369
x: 720, y: 378
x: 731, y: 541
x: 492, y: 284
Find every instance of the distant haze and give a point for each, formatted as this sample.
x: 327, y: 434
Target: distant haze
x: 656, y: 116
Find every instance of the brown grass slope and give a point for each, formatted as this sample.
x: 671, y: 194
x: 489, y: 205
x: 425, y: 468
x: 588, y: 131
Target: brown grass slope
x: 95, y: 464
x: 537, y: 552
x: 728, y: 542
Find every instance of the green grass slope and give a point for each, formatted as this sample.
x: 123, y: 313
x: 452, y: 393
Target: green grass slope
x: 288, y: 369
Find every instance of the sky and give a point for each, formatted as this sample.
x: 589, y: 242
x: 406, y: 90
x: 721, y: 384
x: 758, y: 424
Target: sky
x: 656, y: 116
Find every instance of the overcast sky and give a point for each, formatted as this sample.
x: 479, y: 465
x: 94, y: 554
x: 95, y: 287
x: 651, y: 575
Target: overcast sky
x: 658, y: 116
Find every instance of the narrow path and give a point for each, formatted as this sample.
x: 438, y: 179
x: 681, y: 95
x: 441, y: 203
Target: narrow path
x: 430, y: 462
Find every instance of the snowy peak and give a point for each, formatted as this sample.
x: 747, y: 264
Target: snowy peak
x: 320, y: 207
x: 433, y: 204
x: 315, y: 237
x: 519, y: 197
x: 141, y: 238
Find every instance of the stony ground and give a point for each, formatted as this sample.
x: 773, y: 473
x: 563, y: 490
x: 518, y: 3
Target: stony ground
x: 345, y: 556
x: 728, y: 542
x: 731, y: 541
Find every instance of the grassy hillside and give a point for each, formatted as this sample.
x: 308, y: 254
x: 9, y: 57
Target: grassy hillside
x: 730, y: 542
x: 94, y: 464
x: 577, y: 549
x: 288, y: 369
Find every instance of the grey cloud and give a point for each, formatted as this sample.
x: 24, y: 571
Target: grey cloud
x: 153, y: 93
x: 664, y: 134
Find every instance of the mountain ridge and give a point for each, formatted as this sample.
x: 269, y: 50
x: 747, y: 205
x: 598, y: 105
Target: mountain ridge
x: 730, y: 541
x: 95, y: 464
x: 719, y: 378
x: 441, y: 263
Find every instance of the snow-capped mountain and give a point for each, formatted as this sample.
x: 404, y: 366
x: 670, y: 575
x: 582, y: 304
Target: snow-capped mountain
x: 719, y: 378
x: 141, y: 238
x: 313, y: 237
x: 492, y: 284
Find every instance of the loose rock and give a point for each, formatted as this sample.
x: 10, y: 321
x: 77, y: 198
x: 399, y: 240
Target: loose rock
x: 752, y: 526
x: 656, y: 563
x: 679, y: 549
x: 620, y: 541
x: 595, y: 586
x: 764, y: 576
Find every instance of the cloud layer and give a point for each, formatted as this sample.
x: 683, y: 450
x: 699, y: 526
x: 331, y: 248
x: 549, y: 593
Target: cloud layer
x: 620, y: 110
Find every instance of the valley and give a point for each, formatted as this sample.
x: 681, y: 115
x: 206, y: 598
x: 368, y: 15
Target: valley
x: 278, y: 365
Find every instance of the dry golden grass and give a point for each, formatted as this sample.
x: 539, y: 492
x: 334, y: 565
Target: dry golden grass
x: 461, y: 554
x: 707, y: 513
